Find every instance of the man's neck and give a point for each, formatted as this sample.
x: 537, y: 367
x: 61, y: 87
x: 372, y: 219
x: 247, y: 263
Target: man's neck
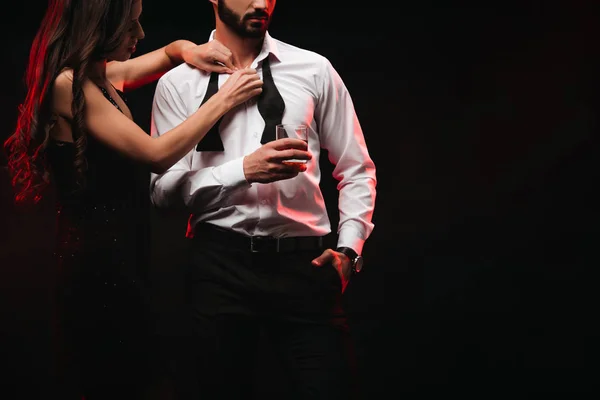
x: 243, y: 50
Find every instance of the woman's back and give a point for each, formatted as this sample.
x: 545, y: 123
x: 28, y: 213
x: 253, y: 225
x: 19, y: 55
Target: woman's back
x: 101, y: 248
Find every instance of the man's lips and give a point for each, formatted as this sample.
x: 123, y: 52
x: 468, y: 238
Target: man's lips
x: 258, y: 18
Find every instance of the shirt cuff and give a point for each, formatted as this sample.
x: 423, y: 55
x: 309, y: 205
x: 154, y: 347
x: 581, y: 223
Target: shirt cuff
x: 231, y: 174
x: 351, y: 237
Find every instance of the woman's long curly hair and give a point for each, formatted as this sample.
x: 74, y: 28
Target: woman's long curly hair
x: 73, y: 34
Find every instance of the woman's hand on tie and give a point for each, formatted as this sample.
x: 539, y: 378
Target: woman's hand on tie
x: 239, y: 87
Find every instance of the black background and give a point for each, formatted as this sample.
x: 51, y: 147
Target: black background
x: 481, y: 119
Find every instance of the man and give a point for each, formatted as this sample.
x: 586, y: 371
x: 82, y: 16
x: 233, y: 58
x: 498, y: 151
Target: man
x: 257, y: 263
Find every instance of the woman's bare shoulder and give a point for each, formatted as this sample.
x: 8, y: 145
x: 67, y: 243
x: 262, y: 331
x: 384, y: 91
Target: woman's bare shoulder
x: 62, y: 95
x: 64, y: 80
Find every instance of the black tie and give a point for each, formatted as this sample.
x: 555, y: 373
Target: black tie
x: 212, y: 140
x: 270, y: 106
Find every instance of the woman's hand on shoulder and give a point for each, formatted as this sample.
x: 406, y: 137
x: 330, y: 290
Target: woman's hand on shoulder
x: 212, y: 56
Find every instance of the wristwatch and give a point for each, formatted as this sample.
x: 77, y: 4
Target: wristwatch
x: 356, y: 260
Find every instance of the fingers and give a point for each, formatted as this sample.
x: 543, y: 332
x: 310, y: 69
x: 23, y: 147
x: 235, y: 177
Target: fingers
x: 297, y: 167
x: 211, y: 57
x: 248, y: 71
x: 289, y: 143
x: 250, y: 82
x: 290, y: 149
x: 245, y: 76
x: 255, y: 84
x: 223, y: 64
x: 249, y: 74
x: 295, y: 154
x: 324, y: 258
x: 285, y: 156
x: 283, y: 171
x: 222, y: 55
x: 221, y: 69
x: 297, y: 150
x: 252, y: 77
x: 330, y: 257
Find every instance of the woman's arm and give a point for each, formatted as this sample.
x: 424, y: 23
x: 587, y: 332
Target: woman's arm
x: 138, y: 71
x: 106, y: 123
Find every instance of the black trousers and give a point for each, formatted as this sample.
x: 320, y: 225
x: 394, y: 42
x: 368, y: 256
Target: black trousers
x: 236, y: 297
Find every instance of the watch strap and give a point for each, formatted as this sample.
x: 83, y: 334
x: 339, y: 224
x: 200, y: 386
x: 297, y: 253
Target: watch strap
x: 348, y: 252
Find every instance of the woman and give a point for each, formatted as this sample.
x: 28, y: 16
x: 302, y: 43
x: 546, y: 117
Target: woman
x: 75, y: 130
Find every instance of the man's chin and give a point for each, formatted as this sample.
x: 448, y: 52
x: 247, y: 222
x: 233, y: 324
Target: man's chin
x: 255, y: 29
x: 255, y: 33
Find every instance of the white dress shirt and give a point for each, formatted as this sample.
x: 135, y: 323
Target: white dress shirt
x: 212, y: 185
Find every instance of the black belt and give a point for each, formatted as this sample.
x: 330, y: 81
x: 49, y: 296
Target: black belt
x: 256, y: 244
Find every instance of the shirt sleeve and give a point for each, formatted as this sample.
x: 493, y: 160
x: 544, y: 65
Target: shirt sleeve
x: 341, y: 135
x: 180, y: 185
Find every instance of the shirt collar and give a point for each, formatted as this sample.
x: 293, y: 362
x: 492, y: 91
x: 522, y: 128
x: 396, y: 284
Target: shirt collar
x: 269, y: 47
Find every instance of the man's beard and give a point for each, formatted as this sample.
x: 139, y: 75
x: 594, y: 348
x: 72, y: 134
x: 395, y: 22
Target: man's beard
x: 239, y: 24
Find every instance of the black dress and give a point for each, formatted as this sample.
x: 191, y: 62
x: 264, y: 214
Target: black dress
x: 101, y: 255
